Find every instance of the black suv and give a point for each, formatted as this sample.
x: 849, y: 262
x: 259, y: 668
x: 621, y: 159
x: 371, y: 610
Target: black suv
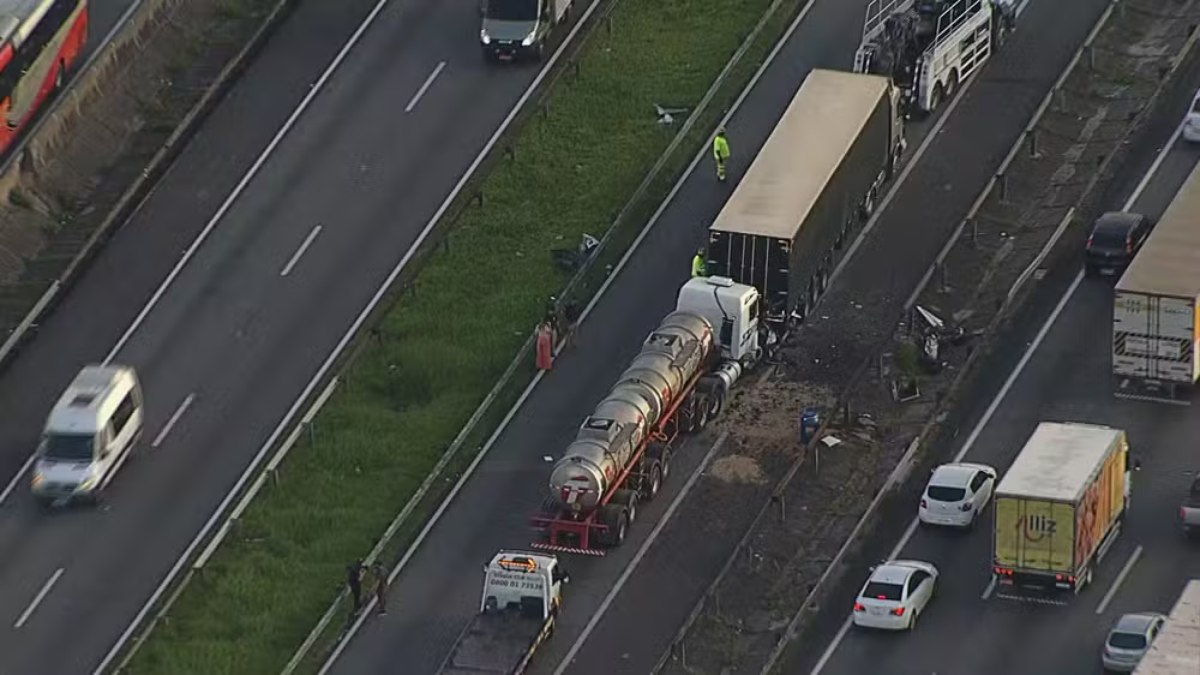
x: 1115, y: 239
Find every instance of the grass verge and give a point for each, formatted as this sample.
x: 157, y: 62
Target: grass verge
x: 408, y: 392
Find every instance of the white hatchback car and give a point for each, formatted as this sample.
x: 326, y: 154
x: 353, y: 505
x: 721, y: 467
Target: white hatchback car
x: 957, y: 494
x: 895, y: 595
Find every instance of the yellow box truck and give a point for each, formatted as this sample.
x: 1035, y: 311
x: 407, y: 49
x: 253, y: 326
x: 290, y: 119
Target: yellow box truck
x: 1060, y: 506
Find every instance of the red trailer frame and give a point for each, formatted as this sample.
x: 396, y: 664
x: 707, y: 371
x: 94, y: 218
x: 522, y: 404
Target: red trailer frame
x: 558, y: 522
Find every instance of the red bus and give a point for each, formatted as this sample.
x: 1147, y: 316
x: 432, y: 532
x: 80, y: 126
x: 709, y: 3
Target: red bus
x: 40, y: 40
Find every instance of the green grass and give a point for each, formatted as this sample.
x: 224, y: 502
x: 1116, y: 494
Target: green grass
x: 444, y: 345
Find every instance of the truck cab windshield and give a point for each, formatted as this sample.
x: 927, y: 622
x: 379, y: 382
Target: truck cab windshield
x: 512, y: 10
x: 68, y: 447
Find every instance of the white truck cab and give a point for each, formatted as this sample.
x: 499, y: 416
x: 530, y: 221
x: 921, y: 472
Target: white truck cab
x: 88, y: 434
x: 732, y: 309
x: 529, y: 581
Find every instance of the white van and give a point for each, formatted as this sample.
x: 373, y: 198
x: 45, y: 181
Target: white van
x: 89, y: 435
x: 1191, y: 123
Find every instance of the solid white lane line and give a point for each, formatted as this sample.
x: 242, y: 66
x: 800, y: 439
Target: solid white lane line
x: 287, y: 269
x: 991, y: 586
x: 12, y: 484
x: 421, y: 92
x: 1158, y: 160
x: 319, y: 376
x: 37, y: 599
x: 1137, y: 553
x: 833, y: 645
x: 174, y: 419
x: 899, y: 182
x: 242, y: 184
x: 637, y: 558
x: 1012, y: 378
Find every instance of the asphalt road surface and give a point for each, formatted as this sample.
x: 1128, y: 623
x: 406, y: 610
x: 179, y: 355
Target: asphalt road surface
x: 434, y: 598
x: 232, y: 332
x: 975, y: 628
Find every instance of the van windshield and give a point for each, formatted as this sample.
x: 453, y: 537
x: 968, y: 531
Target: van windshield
x: 512, y: 10
x: 68, y: 447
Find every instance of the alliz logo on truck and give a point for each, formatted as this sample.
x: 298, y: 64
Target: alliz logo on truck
x: 1036, y: 527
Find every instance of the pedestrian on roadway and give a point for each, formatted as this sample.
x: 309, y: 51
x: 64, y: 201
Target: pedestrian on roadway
x: 720, y: 152
x: 354, y: 584
x: 380, y: 588
x: 698, y: 263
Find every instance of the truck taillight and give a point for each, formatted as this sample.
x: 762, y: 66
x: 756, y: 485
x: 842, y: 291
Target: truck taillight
x: 1001, y: 571
x: 899, y: 611
x: 924, y: 504
x: 858, y: 607
x: 1129, y: 243
x: 966, y: 507
x: 1091, y: 237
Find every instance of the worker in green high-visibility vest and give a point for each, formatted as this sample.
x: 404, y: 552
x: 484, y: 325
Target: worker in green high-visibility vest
x: 720, y: 152
x: 698, y: 263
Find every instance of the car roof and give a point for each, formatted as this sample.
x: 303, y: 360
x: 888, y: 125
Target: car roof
x: 953, y: 475
x: 1116, y: 221
x: 1135, y: 623
x: 891, y: 573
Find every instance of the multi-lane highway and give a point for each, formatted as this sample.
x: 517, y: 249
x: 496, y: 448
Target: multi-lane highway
x: 435, y: 595
x: 369, y: 161
x: 973, y: 626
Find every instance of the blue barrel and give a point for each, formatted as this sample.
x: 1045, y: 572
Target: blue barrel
x: 810, y: 421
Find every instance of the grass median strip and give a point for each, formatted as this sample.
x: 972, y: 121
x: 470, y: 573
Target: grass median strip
x: 442, y: 347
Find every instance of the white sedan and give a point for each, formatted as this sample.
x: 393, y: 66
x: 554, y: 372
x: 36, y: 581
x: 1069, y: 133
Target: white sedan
x: 895, y: 595
x: 957, y: 494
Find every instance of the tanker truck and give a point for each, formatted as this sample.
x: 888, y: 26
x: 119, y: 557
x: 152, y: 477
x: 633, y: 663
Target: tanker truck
x: 675, y: 385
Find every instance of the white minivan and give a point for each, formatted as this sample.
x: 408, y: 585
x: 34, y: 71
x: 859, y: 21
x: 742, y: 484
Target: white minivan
x: 1191, y: 123
x: 89, y: 435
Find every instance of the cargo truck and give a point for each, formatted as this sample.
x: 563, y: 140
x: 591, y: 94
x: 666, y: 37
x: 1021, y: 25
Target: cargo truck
x: 512, y: 29
x: 1156, y: 324
x: 818, y: 176
x: 676, y: 384
x: 928, y: 48
x: 522, y: 595
x: 1060, y: 506
x: 1176, y: 649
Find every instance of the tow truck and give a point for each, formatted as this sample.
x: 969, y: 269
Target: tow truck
x: 522, y: 594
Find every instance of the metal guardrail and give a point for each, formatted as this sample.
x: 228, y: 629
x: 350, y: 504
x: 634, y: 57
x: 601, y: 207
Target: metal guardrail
x: 1024, y: 140
x: 575, y: 283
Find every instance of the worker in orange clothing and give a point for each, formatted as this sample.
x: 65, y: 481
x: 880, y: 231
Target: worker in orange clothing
x: 721, y: 152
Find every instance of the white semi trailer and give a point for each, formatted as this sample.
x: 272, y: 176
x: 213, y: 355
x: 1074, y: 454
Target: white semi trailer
x: 1156, y: 318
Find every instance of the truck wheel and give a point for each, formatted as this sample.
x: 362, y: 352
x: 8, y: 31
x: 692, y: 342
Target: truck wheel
x: 701, y: 414
x: 690, y: 415
x: 716, y: 402
x: 627, y: 499
x: 652, y: 481
x: 614, y: 518
x: 936, y: 101
x: 664, y: 463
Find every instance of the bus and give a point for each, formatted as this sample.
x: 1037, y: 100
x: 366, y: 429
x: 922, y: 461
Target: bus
x: 40, y: 41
